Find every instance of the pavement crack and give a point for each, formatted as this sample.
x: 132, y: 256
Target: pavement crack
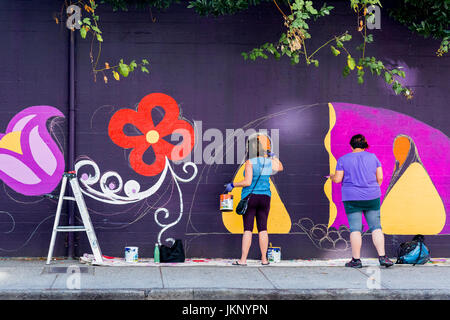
x: 162, y: 278
x: 382, y: 285
x: 267, y: 278
x: 53, y: 282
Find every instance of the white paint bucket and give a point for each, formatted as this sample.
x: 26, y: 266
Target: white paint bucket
x: 131, y: 254
x: 274, y: 254
x: 226, y: 202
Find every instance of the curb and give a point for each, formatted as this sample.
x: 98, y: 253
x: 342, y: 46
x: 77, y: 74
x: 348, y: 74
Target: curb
x: 226, y: 294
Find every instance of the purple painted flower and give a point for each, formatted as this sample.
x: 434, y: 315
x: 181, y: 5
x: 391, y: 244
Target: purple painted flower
x: 30, y: 161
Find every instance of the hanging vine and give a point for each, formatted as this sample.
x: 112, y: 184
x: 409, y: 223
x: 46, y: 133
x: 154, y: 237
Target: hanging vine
x: 292, y: 43
x: 90, y: 25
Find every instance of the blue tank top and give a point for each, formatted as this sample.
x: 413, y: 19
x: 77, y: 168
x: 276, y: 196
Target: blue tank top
x: 261, y: 166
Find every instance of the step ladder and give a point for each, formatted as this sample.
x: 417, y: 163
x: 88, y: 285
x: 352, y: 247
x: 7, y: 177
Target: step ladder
x: 87, y: 224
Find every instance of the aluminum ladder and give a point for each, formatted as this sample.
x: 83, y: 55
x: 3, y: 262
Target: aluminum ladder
x: 87, y: 224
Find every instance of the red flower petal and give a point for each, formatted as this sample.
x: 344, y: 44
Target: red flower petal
x: 170, y: 106
x: 182, y: 150
x: 138, y: 164
x: 117, y: 123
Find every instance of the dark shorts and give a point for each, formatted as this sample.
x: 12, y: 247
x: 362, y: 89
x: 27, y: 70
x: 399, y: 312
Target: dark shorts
x: 258, y: 207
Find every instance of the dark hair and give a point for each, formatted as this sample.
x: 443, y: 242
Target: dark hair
x: 359, y: 141
x: 254, y: 148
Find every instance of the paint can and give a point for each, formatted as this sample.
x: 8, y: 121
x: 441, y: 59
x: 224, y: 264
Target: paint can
x: 131, y: 254
x: 226, y: 202
x: 274, y: 254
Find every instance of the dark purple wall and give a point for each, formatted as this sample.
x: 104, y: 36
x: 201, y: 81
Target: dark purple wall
x: 197, y: 61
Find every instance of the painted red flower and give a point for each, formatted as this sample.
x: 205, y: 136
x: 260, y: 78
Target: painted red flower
x: 152, y: 136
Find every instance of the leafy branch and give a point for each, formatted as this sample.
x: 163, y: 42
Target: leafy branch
x: 429, y: 18
x: 292, y: 43
x: 91, y: 26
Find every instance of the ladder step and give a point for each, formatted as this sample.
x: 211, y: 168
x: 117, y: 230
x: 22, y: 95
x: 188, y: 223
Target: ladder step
x: 70, y: 228
x: 69, y: 198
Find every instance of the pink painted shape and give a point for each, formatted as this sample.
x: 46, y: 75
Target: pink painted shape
x: 46, y: 164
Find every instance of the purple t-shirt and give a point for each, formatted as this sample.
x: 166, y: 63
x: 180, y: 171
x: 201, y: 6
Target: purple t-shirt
x: 360, y: 180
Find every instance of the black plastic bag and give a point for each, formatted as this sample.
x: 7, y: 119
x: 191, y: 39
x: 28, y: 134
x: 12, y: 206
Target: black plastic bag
x: 172, y: 254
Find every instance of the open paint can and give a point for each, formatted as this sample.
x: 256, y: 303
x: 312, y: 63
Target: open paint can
x: 226, y: 202
x: 131, y: 254
x: 274, y: 254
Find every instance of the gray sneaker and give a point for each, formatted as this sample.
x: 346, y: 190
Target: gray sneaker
x: 354, y: 263
x: 385, y: 262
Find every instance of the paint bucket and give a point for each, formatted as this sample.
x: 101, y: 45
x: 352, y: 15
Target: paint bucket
x: 131, y: 254
x: 274, y: 254
x: 226, y: 202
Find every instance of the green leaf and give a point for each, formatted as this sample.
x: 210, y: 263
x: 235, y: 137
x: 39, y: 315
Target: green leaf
x: 346, y: 71
x: 99, y: 38
x: 144, y: 69
x: 360, y: 80
x: 351, y: 62
x: 132, y: 65
x: 144, y: 61
x: 87, y: 21
x: 116, y: 75
x: 397, y: 87
x: 83, y: 32
x: 96, y: 29
x: 387, y: 77
x: 369, y: 38
x: 335, y: 51
x: 346, y: 37
x: 124, y: 70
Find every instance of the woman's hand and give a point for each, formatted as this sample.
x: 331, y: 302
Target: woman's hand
x: 229, y: 187
x: 337, y: 177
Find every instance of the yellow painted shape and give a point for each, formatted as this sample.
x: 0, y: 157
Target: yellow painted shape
x: 279, y: 220
x: 413, y: 206
x: 327, y: 188
x: 11, y: 141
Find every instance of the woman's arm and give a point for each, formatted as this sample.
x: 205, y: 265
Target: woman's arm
x: 276, y: 165
x: 338, y: 176
x: 379, y: 175
x: 248, y: 176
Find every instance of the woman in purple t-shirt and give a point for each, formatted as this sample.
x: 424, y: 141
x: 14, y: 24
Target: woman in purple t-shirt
x: 361, y: 176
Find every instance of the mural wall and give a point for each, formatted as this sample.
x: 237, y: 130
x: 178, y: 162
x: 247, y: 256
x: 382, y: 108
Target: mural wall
x: 154, y: 151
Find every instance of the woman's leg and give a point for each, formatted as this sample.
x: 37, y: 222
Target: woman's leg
x: 248, y: 218
x: 378, y: 241
x: 246, y: 243
x: 373, y: 220
x: 356, y: 241
x: 355, y: 223
x: 263, y: 245
x: 262, y: 214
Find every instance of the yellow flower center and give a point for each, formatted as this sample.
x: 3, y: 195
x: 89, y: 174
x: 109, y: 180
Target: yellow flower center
x: 152, y: 136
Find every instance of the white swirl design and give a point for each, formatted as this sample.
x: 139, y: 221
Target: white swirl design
x: 111, y: 193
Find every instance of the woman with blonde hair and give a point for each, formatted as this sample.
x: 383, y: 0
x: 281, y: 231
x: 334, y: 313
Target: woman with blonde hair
x: 260, y: 164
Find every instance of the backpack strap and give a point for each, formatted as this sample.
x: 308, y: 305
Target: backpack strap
x: 260, y: 173
x: 420, y: 253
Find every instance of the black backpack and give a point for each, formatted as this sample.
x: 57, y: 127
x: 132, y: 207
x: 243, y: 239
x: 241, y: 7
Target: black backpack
x: 413, y: 252
x: 175, y: 253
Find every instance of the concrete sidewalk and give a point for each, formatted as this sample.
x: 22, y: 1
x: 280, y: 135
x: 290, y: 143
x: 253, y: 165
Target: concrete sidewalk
x: 33, y: 279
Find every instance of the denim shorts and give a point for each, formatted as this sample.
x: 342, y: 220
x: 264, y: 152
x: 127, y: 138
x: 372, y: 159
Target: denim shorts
x: 372, y: 218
